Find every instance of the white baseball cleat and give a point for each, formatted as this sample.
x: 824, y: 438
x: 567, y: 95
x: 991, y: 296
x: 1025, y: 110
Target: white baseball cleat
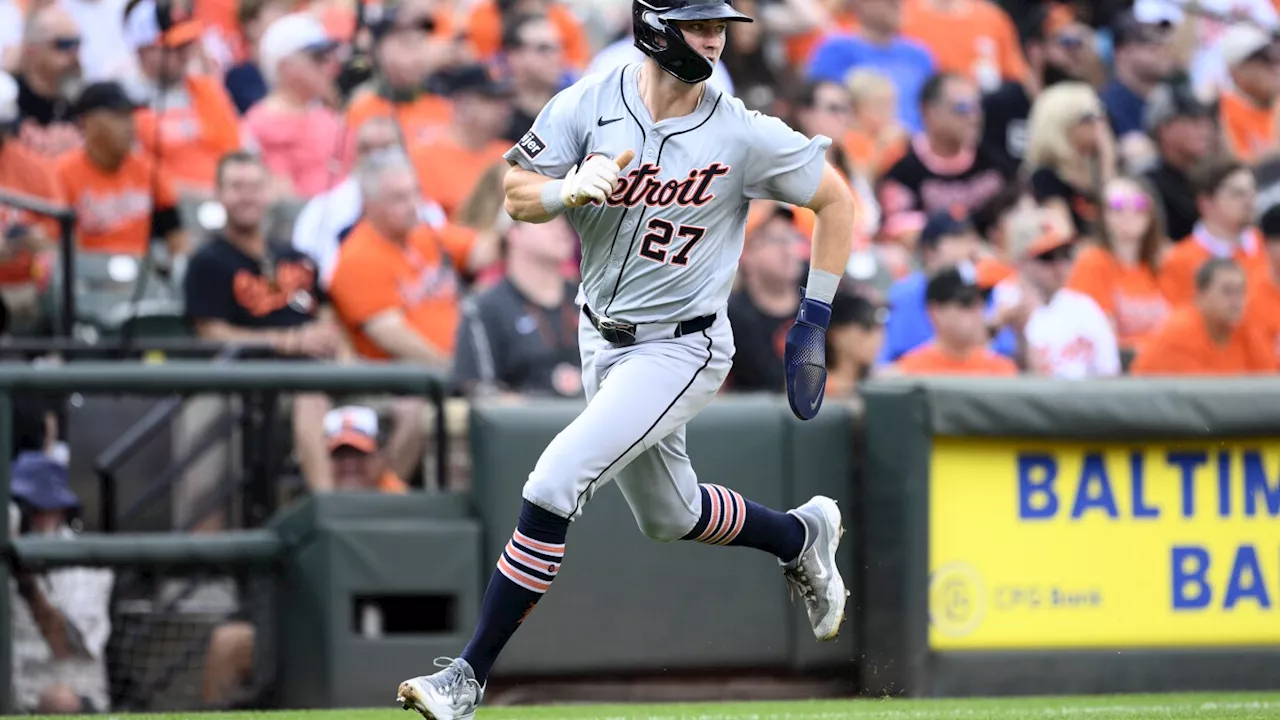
x: 814, y: 574
x: 451, y: 694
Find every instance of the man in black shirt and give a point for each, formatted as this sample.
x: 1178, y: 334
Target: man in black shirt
x: 521, y: 335
x: 944, y: 168
x: 241, y: 289
x: 762, y: 311
x: 535, y: 57
x: 1185, y: 134
x: 50, y: 65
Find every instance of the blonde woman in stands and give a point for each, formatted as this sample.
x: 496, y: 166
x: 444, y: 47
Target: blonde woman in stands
x: 877, y: 140
x: 1070, y: 152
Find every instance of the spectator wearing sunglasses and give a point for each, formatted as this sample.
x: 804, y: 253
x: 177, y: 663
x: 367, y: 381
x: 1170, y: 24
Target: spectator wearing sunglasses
x: 534, y: 58
x: 49, y: 68
x: 1063, y: 333
x: 1120, y: 271
x: 1212, y: 335
x: 1248, y: 107
x: 878, y: 45
x: 1070, y: 152
x: 1262, y: 306
x: 944, y: 166
x: 956, y: 304
x: 299, y: 138
x: 1144, y: 57
x: 410, y: 47
x: 1225, y: 192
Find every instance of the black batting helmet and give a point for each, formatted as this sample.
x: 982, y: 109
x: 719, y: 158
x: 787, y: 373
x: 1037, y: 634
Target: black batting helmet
x: 663, y: 42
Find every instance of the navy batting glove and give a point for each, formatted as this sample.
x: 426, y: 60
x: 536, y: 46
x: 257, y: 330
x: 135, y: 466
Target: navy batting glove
x: 806, y: 358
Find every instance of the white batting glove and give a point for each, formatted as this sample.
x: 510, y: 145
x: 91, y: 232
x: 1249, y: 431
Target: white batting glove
x: 595, y: 180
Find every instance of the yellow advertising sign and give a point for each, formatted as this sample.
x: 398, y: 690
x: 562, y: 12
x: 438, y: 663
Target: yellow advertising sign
x: 1042, y: 544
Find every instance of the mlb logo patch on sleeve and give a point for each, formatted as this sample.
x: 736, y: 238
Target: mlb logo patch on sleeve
x: 531, y: 144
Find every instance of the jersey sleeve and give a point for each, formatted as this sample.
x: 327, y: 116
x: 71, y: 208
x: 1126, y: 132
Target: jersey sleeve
x: 556, y: 141
x: 782, y: 164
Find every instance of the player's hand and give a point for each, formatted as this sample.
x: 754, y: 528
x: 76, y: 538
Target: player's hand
x: 594, y: 180
x: 805, y: 358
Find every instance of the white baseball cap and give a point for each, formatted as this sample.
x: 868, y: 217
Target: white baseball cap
x: 293, y: 33
x: 142, y: 28
x: 351, y: 426
x: 1241, y: 42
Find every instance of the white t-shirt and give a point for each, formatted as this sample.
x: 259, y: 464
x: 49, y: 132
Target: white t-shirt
x: 625, y: 52
x: 1068, y: 338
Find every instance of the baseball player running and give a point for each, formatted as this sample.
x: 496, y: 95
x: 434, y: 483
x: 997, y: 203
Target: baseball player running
x: 655, y: 169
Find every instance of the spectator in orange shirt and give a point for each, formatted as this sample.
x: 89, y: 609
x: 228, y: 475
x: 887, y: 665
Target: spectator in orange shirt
x: 409, y: 49
x: 23, y: 236
x: 1225, y: 195
x: 449, y: 166
x: 351, y: 434
x: 1262, y: 306
x: 1120, y: 271
x: 974, y: 38
x: 299, y: 138
x: 876, y: 139
x: 50, y: 63
x: 189, y: 121
x: 484, y: 27
x: 396, y: 283
x: 956, y: 308
x: 122, y: 202
x: 1210, y: 336
x: 535, y: 60
x: 1248, y: 108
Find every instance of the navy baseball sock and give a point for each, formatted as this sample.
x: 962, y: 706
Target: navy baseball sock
x: 730, y: 519
x: 525, y: 570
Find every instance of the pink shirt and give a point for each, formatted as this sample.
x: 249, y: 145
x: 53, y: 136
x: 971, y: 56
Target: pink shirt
x: 304, y: 147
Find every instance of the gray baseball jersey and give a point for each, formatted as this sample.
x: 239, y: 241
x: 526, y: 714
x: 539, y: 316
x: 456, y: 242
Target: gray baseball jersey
x: 662, y: 250
x: 665, y: 246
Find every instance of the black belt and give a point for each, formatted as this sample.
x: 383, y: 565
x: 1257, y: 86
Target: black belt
x: 624, y: 333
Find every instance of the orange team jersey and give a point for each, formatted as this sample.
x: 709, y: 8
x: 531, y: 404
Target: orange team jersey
x: 484, y: 32
x: 1129, y: 294
x: 374, y: 275
x: 800, y: 47
x: 929, y: 359
x: 976, y: 39
x: 193, y: 138
x: 1178, y: 270
x: 1183, y: 347
x: 1250, y: 130
x: 1262, y: 307
x: 448, y: 172
x: 391, y: 483
x: 114, y: 208
x: 24, y: 172
x: 862, y: 148
x: 421, y: 120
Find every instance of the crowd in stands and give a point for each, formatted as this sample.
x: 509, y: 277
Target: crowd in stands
x: 1060, y: 189
x: 1074, y: 189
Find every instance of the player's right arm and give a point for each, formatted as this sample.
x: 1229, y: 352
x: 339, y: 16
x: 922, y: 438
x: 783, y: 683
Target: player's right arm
x: 549, y: 171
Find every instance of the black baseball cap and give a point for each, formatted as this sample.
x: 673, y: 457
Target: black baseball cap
x: 943, y: 224
x: 1127, y: 29
x: 953, y: 283
x: 848, y: 308
x: 1269, y: 224
x: 103, y: 96
x: 1173, y: 100
x: 479, y: 79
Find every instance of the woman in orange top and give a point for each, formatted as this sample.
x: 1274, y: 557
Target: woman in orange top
x: 1120, y: 272
x: 1226, y: 192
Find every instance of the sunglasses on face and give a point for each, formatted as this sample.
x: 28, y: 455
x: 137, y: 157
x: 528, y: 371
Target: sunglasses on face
x: 1090, y: 117
x: 964, y: 107
x: 1128, y: 201
x: 1070, y: 41
x: 542, y: 48
x: 1056, y: 255
x: 65, y: 44
x: 835, y: 109
x: 1237, y: 192
x: 969, y: 302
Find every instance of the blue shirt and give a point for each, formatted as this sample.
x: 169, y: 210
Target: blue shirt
x: 906, y: 63
x: 245, y: 85
x: 909, y: 327
x: 1126, y: 108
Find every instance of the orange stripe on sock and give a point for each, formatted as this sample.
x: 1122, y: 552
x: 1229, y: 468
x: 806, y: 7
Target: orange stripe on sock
x: 742, y: 518
x: 713, y: 515
x: 727, y: 515
x: 524, y: 580
x: 532, y: 544
x: 532, y: 563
